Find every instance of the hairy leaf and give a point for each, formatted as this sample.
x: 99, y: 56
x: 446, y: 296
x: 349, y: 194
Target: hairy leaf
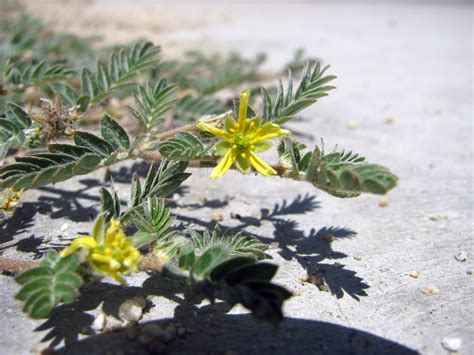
x: 190, y: 109
x: 153, y: 103
x: 183, y: 146
x: 63, y: 161
x: 341, y: 174
x: 55, y: 281
x: 311, y: 87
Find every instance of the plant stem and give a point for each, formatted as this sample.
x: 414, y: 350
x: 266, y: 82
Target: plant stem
x: 172, y: 132
x: 18, y: 266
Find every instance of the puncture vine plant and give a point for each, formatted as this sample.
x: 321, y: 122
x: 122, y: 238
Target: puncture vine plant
x: 73, y: 129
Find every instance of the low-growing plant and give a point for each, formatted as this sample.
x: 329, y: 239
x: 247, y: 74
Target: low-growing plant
x: 179, y: 125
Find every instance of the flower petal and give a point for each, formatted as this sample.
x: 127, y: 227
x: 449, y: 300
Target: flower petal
x: 268, y: 131
x: 214, y: 130
x: 259, y: 165
x: 81, y: 242
x: 244, y: 101
x: 224, y: 165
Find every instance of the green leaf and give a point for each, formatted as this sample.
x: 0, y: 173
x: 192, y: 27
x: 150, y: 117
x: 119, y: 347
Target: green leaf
x: 186, y: 257
x: 119, y: 73
x: 210, y: 259
x: 55, y: 281
x: 22, y: 73
x: 311, y: 87
x: 236, y: 244
x: 152, y: 220
x: 98, y: 231
x: 16, y: 114
x: 88, y: 83
x: 221, y: 271
x: 260, y: 271
x: 93, y: 143
x: 184, y: 146
x: 153, y: 103
x: 163, y: 181
x: 66, y: 92
x: 341, y: 174
x: 43, y: 168
x: 114, y: 134
x: 190, y: 109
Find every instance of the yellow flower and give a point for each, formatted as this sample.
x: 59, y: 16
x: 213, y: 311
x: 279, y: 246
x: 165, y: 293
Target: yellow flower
x: 9, y: 199
x: 240, y: 140
x: 114, y: 255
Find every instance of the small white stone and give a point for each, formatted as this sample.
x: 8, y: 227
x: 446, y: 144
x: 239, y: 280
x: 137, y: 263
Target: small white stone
x: 461, y: 256
x: 430, y: 290
x: 415, y: 274
x: 64, y: 227
x: 112, y: 324
x: 451, y: 343
x: 383, y: 202
x: 351, y: 124
x: 131, y: 311
x: 99, y: 322
x: 217, y: 217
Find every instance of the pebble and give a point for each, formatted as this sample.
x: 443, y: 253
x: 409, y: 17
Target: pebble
x: 113, y: 324
x: 451, y: 343
x: 329, y: 237
x: 247, y: 200
x: 439, y: 217
x: 383, y: 202
x: 323, y: 288
x: 430, y: 290
x: 99, y: 322
x: 351, y: 124
x: 202, y: 200
x: 389, y: 120
x: 461, y: 256
x: 469, y: 272
x: 414, y: 274
x: 358, y: 257
x: 274, y: 245
x: 217, y: 217
x: 131, y: 311
x: 64, y: 227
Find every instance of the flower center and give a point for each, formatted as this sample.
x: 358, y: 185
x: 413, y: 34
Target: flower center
x: 242, y: 141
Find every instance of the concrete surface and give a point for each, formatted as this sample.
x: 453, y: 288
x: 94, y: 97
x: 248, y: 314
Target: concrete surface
x: 411, y: 63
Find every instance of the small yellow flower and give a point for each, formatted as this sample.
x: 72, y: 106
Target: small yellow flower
x: 114, y: 256
x: 9, y: 199
x: 240, y: 140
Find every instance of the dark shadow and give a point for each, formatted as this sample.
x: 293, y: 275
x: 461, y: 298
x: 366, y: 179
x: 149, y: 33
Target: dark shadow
x: 214, y: 332
x: 67, y: 203
x: 124, y: 174
x: 67, y: 321
x: 20, y: 222
x: 309, y: 250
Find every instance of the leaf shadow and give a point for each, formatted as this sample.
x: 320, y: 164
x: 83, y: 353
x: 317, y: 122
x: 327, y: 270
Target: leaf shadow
x: 211, y: 330
x: 310, y: 250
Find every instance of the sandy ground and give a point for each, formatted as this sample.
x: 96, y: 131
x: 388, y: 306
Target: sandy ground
x: 409, y: 64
